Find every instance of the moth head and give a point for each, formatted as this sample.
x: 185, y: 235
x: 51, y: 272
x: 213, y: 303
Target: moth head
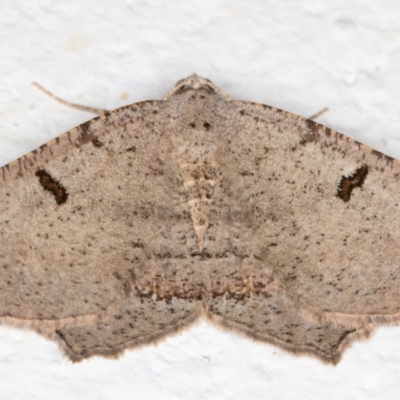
x: 195, y: 82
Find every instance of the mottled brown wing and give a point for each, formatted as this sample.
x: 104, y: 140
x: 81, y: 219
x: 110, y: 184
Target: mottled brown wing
x: 271, y: 317
x: 325, y: 212
x: 81, y: 239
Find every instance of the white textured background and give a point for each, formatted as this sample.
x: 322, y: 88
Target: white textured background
x: 299, y: 55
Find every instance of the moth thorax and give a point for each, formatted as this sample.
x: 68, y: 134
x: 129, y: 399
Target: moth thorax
x: 199, y: 182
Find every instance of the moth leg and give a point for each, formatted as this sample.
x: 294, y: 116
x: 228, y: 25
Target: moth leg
x: 141, y: 320
x: 271, y: 317
x: 69, y: 104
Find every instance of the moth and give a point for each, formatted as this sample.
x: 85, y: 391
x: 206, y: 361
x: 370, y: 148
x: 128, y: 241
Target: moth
x: 137, y: 223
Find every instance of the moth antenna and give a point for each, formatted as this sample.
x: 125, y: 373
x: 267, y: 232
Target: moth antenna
x: 67, y: 103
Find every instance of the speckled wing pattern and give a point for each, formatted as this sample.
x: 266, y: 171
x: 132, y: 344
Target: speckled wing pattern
x: 137, y: 223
